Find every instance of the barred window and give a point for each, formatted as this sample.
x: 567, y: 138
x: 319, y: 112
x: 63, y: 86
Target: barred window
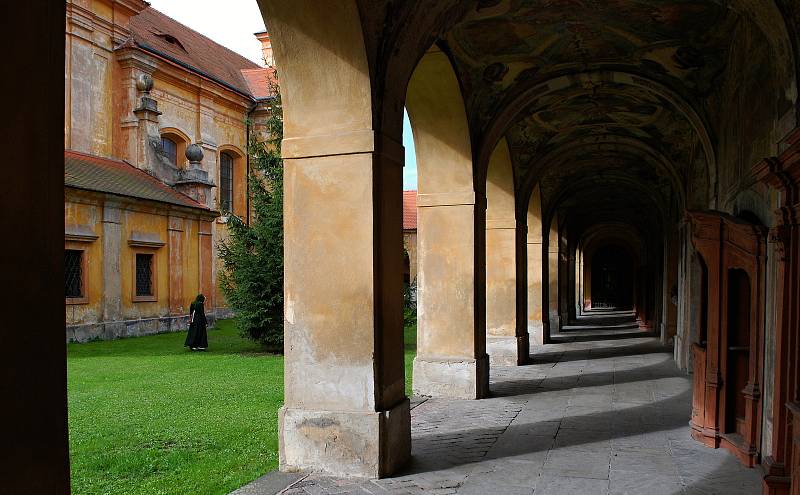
x: 144, y: 275
x: 226, y: 183
x: 73, y: 274
x: 170, y: 148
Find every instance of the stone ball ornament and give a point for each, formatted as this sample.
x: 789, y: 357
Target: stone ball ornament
x: 194, y: 153
x: 144, y: 83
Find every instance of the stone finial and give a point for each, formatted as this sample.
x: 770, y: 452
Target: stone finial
x: 144, y: 83
x: 193, y: 180
x: 194, y: 154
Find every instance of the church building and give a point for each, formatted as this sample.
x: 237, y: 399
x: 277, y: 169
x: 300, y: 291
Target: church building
x: 156, y: 130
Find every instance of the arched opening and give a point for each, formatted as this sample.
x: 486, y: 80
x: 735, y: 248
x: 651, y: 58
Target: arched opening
x: 173, y: 146
x: 451, y: 356
x: 612, y: 279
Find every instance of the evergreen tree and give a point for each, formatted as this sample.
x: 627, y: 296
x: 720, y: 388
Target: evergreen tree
x: 252, y: 256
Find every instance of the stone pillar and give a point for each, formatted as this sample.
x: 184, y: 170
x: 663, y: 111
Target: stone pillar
x: 669, y: 291
x: 147, y: 131
x: 345, y: 409
x: 135, y: 75
x: 451, y: 356
x: 112, y: 281
x: 177, y: 302
x: 535, y: 327
x: 534, y: 241
x: 506, y: 342
x: 451, y: 360
x: 553, y: 265
x: 570, y: 286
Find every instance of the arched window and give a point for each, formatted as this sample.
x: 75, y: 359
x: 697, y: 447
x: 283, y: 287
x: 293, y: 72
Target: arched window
x: 226, y: 182
x: 170, y: 148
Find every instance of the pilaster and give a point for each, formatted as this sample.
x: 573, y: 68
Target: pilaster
x: 112, y: 282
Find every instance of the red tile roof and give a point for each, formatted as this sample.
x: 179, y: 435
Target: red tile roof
x: 109, y: 175
x: 409, y: 210
x: 154, y: 31
x: 259, y: 81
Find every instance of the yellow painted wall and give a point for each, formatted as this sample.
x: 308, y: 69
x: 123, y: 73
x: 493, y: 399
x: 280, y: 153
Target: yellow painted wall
x: 151, y: 224
x: 87, y: 215
x: 191, y: 253
x: 99, y: 99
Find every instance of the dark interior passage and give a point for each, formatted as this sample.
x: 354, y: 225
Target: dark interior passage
x: 612, y: 279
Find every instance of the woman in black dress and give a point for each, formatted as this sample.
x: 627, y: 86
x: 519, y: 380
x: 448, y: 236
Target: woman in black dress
x: 197, y: 339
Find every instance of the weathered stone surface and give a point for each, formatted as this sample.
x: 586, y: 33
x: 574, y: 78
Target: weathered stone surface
x: 451, y: 378
x: 345, y: 443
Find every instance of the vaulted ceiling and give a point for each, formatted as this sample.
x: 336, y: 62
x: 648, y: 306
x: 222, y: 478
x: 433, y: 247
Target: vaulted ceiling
x: 612, y: 103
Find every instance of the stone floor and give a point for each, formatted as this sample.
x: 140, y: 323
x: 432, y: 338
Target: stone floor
x: 602, y: 411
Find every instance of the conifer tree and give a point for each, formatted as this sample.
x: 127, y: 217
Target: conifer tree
x: 252, y: 256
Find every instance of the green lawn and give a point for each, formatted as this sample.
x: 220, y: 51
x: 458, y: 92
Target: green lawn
x: 148, y: 417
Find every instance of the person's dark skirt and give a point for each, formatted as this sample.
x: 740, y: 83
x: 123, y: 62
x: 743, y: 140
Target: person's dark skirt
x: 197, y: 338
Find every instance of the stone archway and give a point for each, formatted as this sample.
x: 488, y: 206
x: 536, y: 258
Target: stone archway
x: 451, y: 342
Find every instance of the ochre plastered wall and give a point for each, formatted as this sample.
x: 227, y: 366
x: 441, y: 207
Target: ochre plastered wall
x: 107, y: 278
x: 100, y: 96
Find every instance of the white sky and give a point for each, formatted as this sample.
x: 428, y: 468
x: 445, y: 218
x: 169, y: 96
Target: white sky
x: 231, y: 23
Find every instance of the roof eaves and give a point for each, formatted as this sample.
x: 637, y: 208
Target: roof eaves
x: 144, y: 46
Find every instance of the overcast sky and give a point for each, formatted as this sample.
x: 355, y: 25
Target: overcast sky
x: 232, y: 23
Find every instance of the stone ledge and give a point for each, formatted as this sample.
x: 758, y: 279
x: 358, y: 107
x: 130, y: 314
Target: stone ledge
x: 111, y: 330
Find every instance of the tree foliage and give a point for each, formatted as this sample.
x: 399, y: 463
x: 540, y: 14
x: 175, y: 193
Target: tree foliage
x: 252, y: 256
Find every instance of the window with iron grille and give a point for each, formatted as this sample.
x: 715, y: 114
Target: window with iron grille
x: 73, y: 274
x: 144, y: 274
x: 226, y: 183
x: 170, y: 148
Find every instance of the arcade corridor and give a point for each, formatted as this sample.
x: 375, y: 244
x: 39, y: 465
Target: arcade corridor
x: 601, y: 412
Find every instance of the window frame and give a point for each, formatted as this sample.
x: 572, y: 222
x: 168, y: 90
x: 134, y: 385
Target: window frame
x: 231, y: 200
x: 171, y: 139
x: 84, y: 298
x: 153, y: 297
x: 181, y: 141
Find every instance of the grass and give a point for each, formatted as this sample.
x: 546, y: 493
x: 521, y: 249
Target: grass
x: 148, y: 417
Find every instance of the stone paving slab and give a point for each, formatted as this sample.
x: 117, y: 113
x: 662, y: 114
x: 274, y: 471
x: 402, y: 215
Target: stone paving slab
x: 592, y: 415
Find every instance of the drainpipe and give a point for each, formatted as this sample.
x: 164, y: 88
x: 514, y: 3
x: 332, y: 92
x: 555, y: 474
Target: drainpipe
x: 247, y: 162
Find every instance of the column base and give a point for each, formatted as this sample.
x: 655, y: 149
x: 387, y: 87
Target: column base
x: 345, y: 443
x: 536, y: 332
x: 452, y: 378
x: 507, y: 351
x: 776, y: 481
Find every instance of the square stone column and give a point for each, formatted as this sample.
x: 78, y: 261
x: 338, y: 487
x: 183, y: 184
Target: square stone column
x: 345, y: 409
x: 451, y: 356
x: 505, y: 343
x: 535, y: 326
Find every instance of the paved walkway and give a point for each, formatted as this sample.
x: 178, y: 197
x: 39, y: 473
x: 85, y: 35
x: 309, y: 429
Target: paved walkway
x: 603, y: 411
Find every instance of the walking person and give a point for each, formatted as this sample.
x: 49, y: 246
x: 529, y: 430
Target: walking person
x: 197, y: 338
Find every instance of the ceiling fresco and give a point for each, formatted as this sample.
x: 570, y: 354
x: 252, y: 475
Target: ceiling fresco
x: 503, y: 43
x: 598, y: 110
